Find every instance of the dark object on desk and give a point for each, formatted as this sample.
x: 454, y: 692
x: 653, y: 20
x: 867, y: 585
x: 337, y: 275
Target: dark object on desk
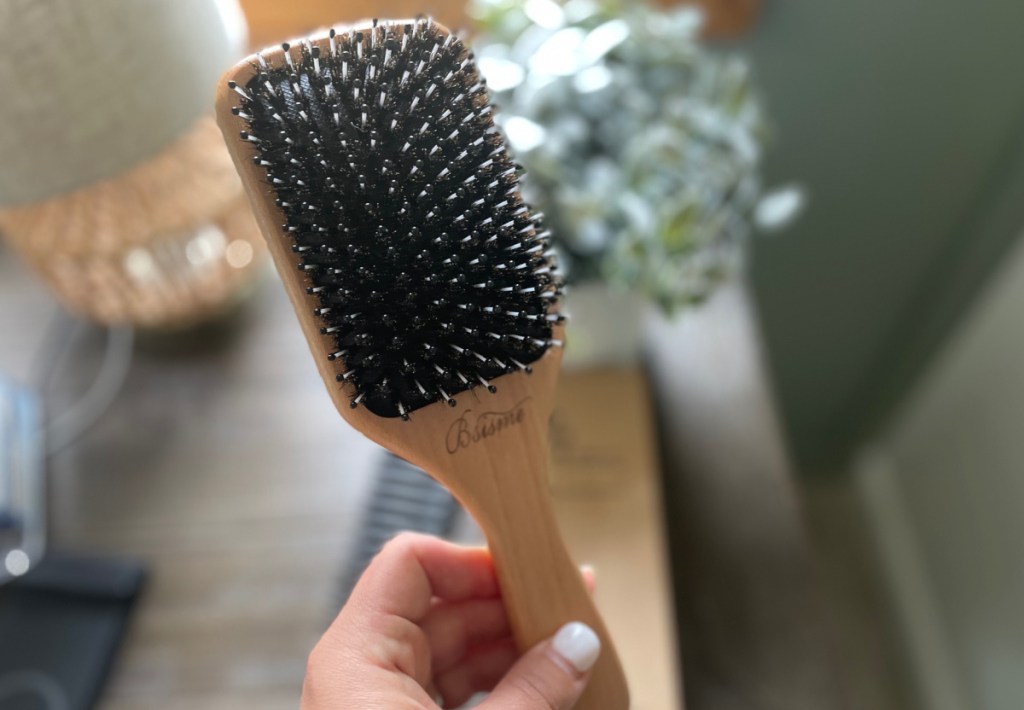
x: 61, y: 625
x: 404, y: 498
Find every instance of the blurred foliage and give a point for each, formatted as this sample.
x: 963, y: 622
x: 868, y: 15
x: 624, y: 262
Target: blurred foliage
x: 642, y: 146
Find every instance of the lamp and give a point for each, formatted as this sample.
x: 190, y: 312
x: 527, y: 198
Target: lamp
x: 115, y: 186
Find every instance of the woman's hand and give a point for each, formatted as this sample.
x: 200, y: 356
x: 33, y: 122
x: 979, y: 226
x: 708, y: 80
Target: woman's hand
x: 425, y: 627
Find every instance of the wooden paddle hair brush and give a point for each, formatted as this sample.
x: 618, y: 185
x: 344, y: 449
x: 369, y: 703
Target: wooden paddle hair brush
x: 422, y: 282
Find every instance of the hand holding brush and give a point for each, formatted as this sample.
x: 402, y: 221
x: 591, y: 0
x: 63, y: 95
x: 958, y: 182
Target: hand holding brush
x: 425, y: 627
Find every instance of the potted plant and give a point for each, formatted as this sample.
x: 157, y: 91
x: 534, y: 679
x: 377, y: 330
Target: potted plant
x: 643, y: 150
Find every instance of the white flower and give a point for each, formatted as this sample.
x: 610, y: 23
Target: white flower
x: 779, y: 207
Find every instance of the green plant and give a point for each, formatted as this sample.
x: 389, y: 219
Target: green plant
x: 643, y: 147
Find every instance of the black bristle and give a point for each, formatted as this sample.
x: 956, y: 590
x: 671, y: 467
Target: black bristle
x: 403, y: 207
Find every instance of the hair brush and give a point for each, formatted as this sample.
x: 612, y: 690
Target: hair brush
x: 422, y: 283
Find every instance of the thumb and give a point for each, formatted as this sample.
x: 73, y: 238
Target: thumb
x: 551, y: 675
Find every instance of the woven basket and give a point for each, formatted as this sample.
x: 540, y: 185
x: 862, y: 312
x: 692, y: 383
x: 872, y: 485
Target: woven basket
x: 167, y: 243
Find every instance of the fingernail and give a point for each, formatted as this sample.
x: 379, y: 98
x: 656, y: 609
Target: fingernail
x: 577, y: 643
x: 586, y: 567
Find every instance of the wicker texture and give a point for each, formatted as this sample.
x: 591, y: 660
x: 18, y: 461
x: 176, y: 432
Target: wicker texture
x: 167, y: 243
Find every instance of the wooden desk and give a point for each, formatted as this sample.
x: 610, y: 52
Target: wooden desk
x: 245, y: 551
x: 245, y: 535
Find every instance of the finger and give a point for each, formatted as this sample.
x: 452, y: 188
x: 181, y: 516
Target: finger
x: 551, y: 675
x: 453, y: 627
x: 589, y: 577
x: 479, y: 672
x: 411, y: 569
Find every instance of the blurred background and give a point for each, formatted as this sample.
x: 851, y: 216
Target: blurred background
x: 788, y: 429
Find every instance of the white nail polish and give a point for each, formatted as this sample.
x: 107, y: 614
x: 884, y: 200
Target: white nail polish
x: 577, y: 643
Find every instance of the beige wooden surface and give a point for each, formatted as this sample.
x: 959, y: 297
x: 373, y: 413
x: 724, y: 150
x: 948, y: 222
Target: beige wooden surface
x: 607, y: 487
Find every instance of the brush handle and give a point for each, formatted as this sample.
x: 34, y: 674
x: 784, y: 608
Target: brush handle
x: 541, y: 586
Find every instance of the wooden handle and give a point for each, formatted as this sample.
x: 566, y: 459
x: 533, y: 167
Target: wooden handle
x: 541, y: 585
x: 494, y: 460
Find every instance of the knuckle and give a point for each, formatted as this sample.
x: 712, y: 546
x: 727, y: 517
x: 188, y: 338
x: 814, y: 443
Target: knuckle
x: 315, y: 667
x: 401, y: 544
x: 319, y: 659
x: 314, y: 659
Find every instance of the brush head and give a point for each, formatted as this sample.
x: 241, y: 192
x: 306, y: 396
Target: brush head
x: 403, y: 206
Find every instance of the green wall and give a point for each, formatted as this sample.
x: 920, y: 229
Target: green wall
x: 905, y: 122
